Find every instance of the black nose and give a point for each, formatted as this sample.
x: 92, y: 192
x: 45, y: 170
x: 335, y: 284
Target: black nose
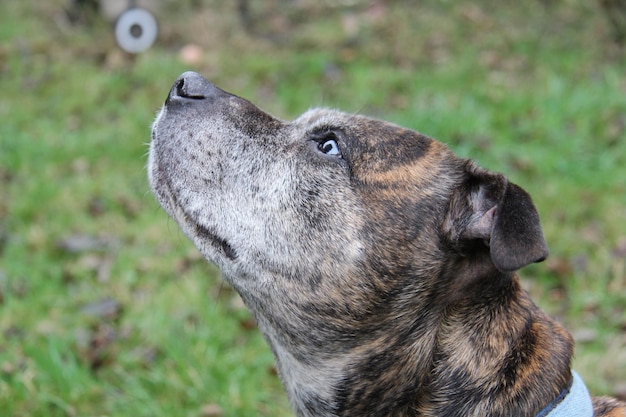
x: 193, y: 86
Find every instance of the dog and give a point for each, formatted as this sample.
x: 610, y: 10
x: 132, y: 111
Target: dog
x: 380, y: 267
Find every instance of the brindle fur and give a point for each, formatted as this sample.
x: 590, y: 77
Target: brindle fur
x: 383, y: 279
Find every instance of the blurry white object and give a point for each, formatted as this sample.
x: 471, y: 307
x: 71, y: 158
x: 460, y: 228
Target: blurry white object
x: 135, y: 30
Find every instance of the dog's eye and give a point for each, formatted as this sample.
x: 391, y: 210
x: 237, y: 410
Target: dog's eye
x: 329, y: 147
x: 327, y: 141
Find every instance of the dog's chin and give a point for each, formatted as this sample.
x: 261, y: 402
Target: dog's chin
x: 204, y: 237
x: 213, y: 247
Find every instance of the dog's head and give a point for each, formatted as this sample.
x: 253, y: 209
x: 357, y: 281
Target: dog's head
x: 268, y: 200
x: 335, y: 211
x: 342, y: 233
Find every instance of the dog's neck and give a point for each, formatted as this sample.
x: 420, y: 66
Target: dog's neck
x: 430, y: 359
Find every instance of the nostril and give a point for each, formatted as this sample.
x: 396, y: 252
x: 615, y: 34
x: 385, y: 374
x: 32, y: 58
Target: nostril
x: 179, y: 87
x: 181, y: 90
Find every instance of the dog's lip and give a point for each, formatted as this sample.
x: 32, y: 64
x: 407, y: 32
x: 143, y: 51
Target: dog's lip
x: 200, y: 230
x: 215, y: 240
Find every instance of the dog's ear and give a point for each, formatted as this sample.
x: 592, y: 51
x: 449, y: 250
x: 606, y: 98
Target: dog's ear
x: 488, y: 210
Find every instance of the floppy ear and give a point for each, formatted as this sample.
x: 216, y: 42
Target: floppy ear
x: 489, y: 210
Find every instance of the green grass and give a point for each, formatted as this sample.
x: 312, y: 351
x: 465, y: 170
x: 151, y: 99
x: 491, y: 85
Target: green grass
x: 536, y: 92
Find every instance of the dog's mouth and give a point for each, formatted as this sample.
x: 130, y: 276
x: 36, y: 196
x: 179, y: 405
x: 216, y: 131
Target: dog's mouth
x: 200, y: 231
x: 207, y: 235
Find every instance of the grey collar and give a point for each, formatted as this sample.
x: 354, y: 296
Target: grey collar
x: 574, y: 401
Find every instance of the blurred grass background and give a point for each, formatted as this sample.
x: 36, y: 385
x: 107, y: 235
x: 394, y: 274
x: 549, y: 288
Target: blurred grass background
x: 107, y: 310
